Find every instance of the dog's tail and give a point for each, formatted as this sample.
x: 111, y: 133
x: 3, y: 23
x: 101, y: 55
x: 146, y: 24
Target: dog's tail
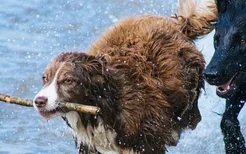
x: 195, y: 17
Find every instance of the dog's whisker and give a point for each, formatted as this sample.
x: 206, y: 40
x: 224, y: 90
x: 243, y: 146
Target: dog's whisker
x: 217, y: 113
x: 61, y: 109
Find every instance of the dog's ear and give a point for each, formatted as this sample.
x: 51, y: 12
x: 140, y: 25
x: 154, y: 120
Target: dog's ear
x: 222, y: 5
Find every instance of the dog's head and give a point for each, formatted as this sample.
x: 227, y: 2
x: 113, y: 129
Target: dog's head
x: 227, y: 68
x: 70, y: 77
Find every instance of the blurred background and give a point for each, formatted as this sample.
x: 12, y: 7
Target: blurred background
x: 32, y: 32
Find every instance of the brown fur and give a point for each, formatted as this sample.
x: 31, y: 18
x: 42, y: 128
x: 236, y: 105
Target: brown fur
x: 194, y: 17
x: 147, y: 73
x: 158, y: 70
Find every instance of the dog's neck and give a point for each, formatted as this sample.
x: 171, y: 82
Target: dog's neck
x: 85, y: 126
x: 89, y: 138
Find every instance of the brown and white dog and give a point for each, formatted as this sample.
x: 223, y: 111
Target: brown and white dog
x: 144, y: 74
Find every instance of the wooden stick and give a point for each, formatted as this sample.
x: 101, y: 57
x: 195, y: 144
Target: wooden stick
x: 70, y: 106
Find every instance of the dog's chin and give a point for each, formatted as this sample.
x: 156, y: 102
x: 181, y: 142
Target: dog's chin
x: 49, y: 114
x: 228, y: 89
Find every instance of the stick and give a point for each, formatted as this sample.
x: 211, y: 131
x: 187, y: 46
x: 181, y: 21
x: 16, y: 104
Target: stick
x: 70, y: 106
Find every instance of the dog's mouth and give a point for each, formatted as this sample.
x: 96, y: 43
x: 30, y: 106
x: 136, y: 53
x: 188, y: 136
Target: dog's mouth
x: 49, y: 114
x: 227, y: 89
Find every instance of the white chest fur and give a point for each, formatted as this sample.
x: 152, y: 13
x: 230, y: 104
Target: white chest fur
x: 99, y: 138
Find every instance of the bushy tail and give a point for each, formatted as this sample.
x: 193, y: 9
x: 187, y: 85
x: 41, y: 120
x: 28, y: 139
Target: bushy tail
x: 195, y: 17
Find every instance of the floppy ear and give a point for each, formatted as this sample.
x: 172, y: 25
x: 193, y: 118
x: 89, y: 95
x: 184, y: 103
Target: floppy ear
x: 222, y: 5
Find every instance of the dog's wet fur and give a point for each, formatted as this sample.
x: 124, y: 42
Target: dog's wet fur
x: 145, y: 74
x: 227, y: 69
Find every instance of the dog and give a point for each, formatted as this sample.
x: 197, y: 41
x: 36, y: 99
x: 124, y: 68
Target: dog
x: 144, y: 74
x: 226, y: 69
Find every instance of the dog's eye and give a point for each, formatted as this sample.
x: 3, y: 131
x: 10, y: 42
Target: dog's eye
x: 242, y: 41
x: 68, y: 81
x: 44, y: 79
x: 213, y: 23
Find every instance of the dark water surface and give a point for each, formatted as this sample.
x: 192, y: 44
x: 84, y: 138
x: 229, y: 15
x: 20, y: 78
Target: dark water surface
x: 32, y: 32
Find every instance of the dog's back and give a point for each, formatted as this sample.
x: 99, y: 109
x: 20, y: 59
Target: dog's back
x: 157, y: 50
x: 161, y: 70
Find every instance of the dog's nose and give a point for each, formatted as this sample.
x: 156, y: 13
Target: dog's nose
x: 211, y: 76
x: 41, y: 101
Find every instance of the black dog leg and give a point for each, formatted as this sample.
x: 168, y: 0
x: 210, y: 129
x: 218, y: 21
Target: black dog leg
x: 233, y: 138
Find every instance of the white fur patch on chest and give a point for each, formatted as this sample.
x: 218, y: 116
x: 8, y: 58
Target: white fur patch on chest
x: 101, y: 139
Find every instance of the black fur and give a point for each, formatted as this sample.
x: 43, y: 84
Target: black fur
x: 229, y: 62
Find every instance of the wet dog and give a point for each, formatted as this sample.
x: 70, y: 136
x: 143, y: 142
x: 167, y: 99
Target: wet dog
x: 227, y: 69
x: 145, y: 74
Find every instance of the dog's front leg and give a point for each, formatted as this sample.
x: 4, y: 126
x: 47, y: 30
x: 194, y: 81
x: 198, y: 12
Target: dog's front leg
x: 85, y: 149
x: 230, y: 126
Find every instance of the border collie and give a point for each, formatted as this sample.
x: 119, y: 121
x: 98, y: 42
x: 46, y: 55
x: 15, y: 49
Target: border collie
x: 145, y: 74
